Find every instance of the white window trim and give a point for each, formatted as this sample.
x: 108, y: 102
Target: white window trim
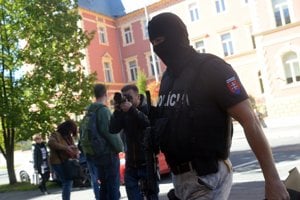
x: 123, y: 35
x: 232, y: 41
x: 291, y: 11
x: 107, y: 59
x: 222, y: 12
x: 199, y: 40
x: 279, y: 65
x: 105, y: 35
x: 291, y: 68
x: 192, y: 7
x: 134, y: 58
x: 110, y: 70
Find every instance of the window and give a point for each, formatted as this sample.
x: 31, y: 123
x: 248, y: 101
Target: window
x: 281, y: 12
x: 227, y: 44
x: 132, y: 70
x: 220, y: 6
x: 102, y: 35
x: 193, y: 9
x: 291, y: 67
x: 156, y: 64
x: 128, y: 35
x: 199, y: 46
x: 108, y: 72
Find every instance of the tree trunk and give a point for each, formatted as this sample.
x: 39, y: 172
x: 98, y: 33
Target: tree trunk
x: 8, y: 150
x: 10, y: 167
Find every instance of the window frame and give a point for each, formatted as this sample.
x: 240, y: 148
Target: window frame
x: 132, y: 73
x: 194, y: 14
x: 108, y: 71
x: 201, y: 49
x: 127, y: 35
x: 107, y: 59
x: 290, y: 64
x: 280, y: 9
x: 220, y: 6
x: 227, y: 44
x: 102, y: 35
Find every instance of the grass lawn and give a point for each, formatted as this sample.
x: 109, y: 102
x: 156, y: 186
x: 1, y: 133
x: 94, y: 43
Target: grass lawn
x: 24, y: 187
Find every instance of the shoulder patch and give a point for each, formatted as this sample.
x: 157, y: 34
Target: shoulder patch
x: 233, y: 85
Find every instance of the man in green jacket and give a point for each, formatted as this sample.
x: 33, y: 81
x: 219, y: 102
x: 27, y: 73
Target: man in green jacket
x: 106, y: 167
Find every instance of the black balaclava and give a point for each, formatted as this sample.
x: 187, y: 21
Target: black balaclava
x: 174, y: 51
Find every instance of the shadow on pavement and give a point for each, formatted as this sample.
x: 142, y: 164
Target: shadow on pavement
x: 245, y: 160
x: 247, y: 191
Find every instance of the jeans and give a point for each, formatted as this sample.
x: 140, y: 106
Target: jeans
x: 94, y: 176
x: 109, y: 175
x: 190, y: 186
x: 132, y: 177
x: 66, y: 184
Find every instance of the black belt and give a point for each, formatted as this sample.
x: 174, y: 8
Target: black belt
x: 182, y: 168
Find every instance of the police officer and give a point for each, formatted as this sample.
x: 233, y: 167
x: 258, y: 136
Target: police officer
x: 199, y: 94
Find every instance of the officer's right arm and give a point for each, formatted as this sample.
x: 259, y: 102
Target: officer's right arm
x: 244, y: 114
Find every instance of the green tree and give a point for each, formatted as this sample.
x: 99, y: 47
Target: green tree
x: 141, y: 82
x: 42, y: 81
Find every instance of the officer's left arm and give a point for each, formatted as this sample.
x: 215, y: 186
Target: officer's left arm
x: 245, y: 115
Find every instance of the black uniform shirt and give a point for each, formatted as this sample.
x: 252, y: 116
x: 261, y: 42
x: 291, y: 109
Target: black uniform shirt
x: 195, y: 103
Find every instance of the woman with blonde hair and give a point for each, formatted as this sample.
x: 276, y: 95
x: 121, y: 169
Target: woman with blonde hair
x: 40, y: 161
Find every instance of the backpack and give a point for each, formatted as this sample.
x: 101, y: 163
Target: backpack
x: 91, y: 141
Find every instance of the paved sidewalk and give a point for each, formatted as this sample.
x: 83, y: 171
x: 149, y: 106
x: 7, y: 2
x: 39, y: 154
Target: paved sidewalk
x: 240, y: 191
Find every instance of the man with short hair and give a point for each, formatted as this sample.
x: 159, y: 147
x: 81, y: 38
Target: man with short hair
x: 108, y: 163
x: 130, y: 115
x: 199, y: 93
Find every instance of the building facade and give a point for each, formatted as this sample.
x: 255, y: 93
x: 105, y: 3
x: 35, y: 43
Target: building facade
x: 260, y: 39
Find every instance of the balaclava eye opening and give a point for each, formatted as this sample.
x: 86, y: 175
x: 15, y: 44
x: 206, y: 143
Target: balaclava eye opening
x: 176, y: 45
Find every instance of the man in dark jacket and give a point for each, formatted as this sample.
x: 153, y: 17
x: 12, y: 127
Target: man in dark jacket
x: 130, y: 115
x: 199, y: 93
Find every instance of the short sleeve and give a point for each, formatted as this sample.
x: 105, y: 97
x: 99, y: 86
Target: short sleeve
x: 224, y: 83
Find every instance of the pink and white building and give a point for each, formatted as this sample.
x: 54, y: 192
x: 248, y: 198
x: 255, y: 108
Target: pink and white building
x: 259, y: 38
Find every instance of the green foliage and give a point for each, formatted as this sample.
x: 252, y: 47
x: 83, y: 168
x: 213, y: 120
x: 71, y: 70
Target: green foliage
x: 23, y: 145
x: 141, y: 82
x: 252, y: 101
x: 55, y: 86
x: 42, y: 81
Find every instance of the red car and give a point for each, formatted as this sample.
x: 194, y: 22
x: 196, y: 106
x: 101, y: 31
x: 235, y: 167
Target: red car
x: 163, y: 166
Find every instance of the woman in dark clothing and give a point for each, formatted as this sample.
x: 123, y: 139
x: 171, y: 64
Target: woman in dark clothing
x: 40, y: 161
